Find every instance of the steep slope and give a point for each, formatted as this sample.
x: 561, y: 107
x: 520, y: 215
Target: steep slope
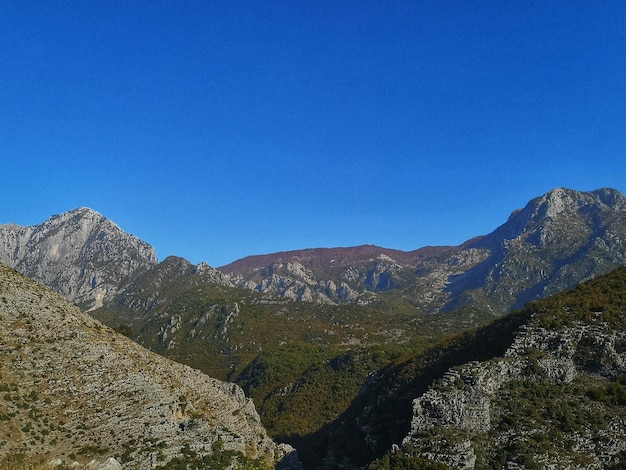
x: 558, y: 240
x: 73, y: 389
x: 80, y: 254
x: 544, y: 387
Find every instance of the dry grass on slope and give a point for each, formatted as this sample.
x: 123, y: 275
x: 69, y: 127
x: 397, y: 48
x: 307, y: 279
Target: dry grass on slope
x: 73, y: 389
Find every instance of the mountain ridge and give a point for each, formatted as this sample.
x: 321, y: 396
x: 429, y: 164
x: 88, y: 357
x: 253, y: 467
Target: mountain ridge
x: 326, y: 255
x: 555, y: 241
x: 474, y: 273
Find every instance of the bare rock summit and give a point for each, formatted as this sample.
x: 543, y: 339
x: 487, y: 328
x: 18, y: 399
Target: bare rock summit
x: 80, y: 254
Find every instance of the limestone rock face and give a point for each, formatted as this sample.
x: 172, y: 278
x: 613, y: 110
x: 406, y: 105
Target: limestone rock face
x: 73, y: 387
x: 80, y: 254
x: 467, y: 399
x: 294, y: 281
x: 349, y: 284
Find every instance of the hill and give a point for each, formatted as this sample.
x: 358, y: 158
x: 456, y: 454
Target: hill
x: 73, y: 390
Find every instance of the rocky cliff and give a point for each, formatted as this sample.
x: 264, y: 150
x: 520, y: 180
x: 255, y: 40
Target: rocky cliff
x: 472, y: 403
x: 74, y: 390
x: 80, y: 254
x: 557, y: 241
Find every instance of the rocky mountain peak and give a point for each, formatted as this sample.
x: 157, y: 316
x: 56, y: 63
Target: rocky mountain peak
x: 80, y: 254
x: 554, y: 210
x: 556, y: 241
x: 82, y: 212
x: 561, y: 201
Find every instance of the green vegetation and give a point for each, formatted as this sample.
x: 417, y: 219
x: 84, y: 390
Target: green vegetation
x: 601, y: 300
x: 610, y: 393
x: 302, y: 363
x: 21, y: 461
x: 305, y: 365
x: 404, y: 461
x: 534, y: 420
x: 296, y: 401
x: 219, y: 460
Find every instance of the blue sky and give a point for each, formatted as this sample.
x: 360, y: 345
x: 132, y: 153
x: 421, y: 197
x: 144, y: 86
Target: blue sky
x: 215, y: 130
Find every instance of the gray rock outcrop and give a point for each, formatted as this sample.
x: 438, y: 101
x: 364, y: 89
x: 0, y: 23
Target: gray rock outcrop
x: 466, y: 399
x: 79, y: 254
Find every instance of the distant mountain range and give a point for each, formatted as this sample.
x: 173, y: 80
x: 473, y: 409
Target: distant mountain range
x: 555, y: 242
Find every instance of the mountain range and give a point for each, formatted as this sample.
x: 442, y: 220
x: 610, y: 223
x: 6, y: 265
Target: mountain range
x: 336, y: 347
x: 552, y: 244
x: 556, y: 241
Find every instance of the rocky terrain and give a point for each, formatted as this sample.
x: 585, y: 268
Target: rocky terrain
x: 73, y: 390
x: 544, y: 387
x: 556, y: 241
x: 330, y: 275
x: 80, y: 254
x: 473, y: 402
x: 320, y: 338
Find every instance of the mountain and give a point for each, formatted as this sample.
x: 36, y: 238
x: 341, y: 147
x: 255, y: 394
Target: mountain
x: 556, y: 241
x: 74, y: 390
x: 304, y: 362
x: 544, y: 387
x: 329, y: 275
x: 80, y: 254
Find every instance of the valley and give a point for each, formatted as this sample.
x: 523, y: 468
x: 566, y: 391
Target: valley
x: 356, y: 357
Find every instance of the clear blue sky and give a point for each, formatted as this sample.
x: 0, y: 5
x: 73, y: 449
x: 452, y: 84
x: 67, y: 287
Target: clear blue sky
x: 218, y: 129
